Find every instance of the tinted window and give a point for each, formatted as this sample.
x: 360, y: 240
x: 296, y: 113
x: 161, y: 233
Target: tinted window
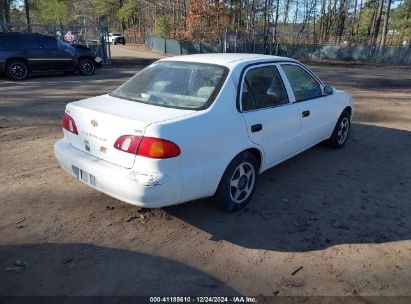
x: 48, y: 43
x: 304, y: 86
x: 39, y: 42
x: 263, y: 88
x: 9, y: 42
x: 31, y: 42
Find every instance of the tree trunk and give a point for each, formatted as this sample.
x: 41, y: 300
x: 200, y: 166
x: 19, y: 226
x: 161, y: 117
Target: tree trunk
x: 286, y: 9
x: 353, y: 21
x: 2, y: 18
x: 385, y: 27
x: 7, y: 14
x: 27, y: 9
x: 277, y: 5
x: 377, y: 23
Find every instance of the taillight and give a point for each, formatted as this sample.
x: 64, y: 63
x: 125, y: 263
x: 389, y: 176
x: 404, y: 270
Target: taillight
x: 147, y: 146
x: 158, y: 148
x: 128, y: 143
x: 69, y: 124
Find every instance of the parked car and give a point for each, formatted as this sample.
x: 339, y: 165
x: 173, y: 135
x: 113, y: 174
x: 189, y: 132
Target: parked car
x: 21, y: 54
x: 116, y: 38
x: 196, y: 126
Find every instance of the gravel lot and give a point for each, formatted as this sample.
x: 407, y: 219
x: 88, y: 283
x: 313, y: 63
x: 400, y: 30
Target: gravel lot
x: 343, y: 216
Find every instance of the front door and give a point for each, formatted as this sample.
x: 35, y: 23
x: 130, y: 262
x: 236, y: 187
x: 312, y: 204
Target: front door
x: 272, y: 121
x: 44, y: 54
x: 315, y: 108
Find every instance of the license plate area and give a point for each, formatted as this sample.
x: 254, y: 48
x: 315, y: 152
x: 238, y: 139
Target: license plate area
x: 87, y: 177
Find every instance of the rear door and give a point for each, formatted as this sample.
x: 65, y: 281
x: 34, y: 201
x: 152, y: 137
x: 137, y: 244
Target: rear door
x: 272, y: 121
x: 316, y: 109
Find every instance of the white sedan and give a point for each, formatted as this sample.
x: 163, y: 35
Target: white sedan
x: 196, y: 126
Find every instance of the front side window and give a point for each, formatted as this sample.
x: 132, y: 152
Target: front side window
x: 304, y: 85
x: 184, y: 85
x: 263, y: 88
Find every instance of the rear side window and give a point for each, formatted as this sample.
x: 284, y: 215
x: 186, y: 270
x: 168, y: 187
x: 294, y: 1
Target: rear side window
x: 9, y: 42
x: 39, y: 42
x: 31, y: 42
x: 263, y: 88
x: 304, y: 85
x: 48, y: 43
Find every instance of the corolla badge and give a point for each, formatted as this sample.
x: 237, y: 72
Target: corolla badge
x: 94, y: 123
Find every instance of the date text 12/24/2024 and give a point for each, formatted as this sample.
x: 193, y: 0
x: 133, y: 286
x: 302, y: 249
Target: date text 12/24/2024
x: 236, y: 299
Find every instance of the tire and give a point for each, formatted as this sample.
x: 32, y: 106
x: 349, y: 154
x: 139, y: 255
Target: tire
x: 86, y: 67
x: 341, y: 131
x: 124, y: 43
x: 114, y: 42
x: 238, y: 183
x: 17, y: 70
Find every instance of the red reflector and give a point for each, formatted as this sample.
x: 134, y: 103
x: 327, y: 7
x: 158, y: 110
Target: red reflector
x: 158, y: 148
x: 127, y: 143
x: 69, y: 124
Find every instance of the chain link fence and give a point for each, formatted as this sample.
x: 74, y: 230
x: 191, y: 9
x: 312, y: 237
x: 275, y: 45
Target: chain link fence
x: 335, y: 48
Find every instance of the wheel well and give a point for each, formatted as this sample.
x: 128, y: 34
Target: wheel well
x: 348, y: 109
x: 86, y: 57
x: 257, y: 155
x: 17, y: 58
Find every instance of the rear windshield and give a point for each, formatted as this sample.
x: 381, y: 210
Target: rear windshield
x: 183, y: 85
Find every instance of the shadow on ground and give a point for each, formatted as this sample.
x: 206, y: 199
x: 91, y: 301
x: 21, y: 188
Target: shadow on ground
x: 83, y: 269
x: 321, y: 198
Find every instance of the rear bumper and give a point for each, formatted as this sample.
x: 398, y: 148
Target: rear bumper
x: 145, y: 189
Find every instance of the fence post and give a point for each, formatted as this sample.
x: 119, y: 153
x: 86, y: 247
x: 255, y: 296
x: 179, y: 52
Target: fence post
x: 225, y: 41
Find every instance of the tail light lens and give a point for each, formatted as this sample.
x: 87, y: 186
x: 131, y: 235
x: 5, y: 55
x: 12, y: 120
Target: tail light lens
x: 128, y: 143
x: 158, y: 148
x: 69, y: 124
x: 147, y: 146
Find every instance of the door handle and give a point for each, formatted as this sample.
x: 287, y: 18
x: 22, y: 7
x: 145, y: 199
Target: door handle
x: 306, y: 113
x: 256, y: 128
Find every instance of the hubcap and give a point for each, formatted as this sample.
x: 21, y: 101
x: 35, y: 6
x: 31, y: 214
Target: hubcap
x: 342, y: 132
x: 18, y: 70
x: 242, y: 182
x: 87, y: 67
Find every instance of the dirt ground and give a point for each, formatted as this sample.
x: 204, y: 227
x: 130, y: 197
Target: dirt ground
x: 342, y: 217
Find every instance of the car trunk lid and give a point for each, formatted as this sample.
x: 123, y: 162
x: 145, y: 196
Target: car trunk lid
x: 103, y: 119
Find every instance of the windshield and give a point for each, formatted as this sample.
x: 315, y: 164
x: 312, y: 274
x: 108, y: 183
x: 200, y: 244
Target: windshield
x: 175, y: 84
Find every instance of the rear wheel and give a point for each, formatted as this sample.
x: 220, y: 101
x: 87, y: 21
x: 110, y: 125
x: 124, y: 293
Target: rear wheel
x: 339, y: 136
x: 86, y: 67
x: 17, y: 70
x: 238, y: 183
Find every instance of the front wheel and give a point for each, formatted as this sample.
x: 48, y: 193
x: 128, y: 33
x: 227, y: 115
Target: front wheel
x: 339, y: 136
x: 238, y: 183
x: 17, y: 70
x: 86, y: 67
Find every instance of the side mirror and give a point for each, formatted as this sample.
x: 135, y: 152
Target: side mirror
x: 329, y: 90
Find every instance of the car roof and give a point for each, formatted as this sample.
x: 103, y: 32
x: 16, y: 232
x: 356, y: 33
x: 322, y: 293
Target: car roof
x: 23, y: 34
x: 227, y: 59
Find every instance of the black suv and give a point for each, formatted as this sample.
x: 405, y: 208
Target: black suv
x: 22, y: 53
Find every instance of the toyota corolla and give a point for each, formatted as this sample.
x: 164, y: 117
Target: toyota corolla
x: 196, y: 126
